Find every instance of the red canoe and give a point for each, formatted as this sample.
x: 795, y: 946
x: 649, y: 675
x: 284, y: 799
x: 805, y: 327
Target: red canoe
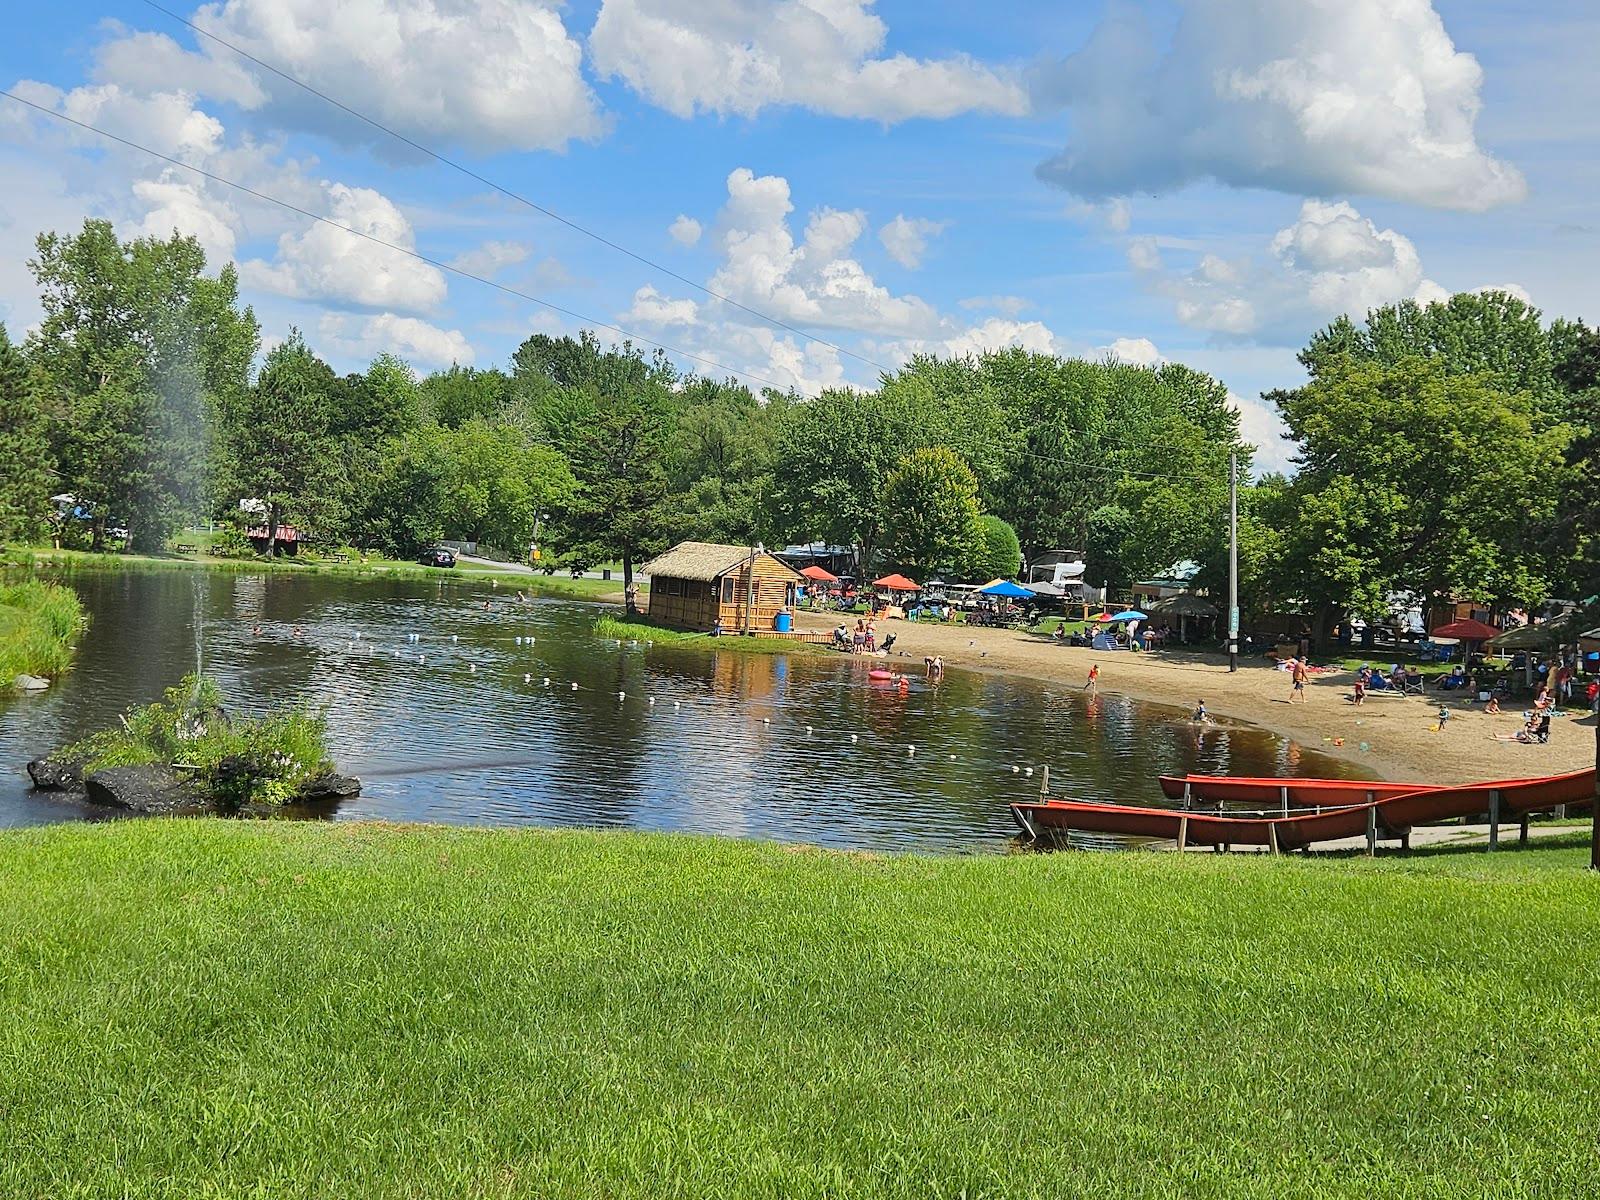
x: 1387, y: 817
x: 1269, y: 793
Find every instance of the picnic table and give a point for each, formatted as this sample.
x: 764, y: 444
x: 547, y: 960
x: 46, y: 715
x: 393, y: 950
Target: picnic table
x: 185, y: 548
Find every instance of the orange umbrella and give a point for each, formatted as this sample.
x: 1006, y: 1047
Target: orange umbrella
x: 896, y: 583
x: 818, y: 574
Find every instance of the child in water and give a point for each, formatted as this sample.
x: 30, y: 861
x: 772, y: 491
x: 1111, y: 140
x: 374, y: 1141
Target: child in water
x: 1200, y: 714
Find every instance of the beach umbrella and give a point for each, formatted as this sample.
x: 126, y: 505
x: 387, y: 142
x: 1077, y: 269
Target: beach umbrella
x: 1103, y: 618
x: 1466, y: 630
x: 1004, y: 587
x: 818, y: 575
x: 1132, y: 614
x: 1527, y: 637
x: 896, y: 583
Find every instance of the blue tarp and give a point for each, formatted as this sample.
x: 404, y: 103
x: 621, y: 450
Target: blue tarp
x: 1004, y: 587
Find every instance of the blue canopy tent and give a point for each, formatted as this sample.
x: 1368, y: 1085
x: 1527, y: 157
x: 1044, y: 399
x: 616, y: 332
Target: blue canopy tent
x: 1004, y: 587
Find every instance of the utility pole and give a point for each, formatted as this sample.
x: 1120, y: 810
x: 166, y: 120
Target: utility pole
x: 1594, y: 820
x: 1233, y: 562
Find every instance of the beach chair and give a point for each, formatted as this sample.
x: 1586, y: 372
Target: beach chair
x: 1413, y: 683
x: 1541, y: 731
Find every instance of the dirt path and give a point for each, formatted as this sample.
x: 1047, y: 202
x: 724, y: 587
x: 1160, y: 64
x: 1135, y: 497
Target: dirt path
x: 1396, y: 729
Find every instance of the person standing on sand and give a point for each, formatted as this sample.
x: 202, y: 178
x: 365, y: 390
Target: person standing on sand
x: 1297, y: 671
x: 1094, y: 679
x: 1361, y: 686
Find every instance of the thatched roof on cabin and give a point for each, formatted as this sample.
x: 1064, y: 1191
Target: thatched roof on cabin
x: 704, y: 561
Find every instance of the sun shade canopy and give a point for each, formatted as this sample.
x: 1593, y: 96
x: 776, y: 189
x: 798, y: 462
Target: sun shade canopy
x: 896, y: 583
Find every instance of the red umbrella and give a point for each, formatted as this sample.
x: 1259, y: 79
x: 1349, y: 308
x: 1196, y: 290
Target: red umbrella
x: 1467, y: 630
x: 896, y: 583
x: 818, y: 574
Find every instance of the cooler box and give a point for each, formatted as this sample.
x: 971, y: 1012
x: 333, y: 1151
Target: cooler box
x: 783, y: 622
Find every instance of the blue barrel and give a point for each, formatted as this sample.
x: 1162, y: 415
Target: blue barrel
x: 783, y: 622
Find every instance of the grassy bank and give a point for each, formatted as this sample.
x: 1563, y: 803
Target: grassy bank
x: 68, y: 561
x: 642, y: 631
x: 268, y: 1009
x: 39, y: 623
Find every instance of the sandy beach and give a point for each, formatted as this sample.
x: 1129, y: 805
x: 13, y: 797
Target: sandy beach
x: 1398, y: 730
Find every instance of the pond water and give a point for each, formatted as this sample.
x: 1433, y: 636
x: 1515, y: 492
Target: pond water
x: 459, y: 737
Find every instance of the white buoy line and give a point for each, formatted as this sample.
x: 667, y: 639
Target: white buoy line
x: 621, y: 695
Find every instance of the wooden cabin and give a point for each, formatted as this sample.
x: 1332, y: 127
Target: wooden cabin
x: 699, y: 585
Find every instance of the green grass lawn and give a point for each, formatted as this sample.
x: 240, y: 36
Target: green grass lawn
x: 45, y: 558
x: 208, y: 1008
x: 611, y: 627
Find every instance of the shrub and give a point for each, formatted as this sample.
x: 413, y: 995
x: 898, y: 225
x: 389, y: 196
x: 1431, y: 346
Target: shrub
x: 38, y: 623
x: 264, y: 760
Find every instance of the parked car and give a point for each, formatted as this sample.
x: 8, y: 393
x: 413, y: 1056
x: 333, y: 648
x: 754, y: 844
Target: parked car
x: 438, y: 557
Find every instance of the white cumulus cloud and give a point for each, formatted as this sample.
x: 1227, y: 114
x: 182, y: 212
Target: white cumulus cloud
x: 491, y: 258
x: 1331, y: 260
x: 1138, y: 352
x: 1305, y: 96
x: 327, y: 263
x: 416, y: 341
x: 906, y: 238
x: 650, y: 307
x: 740, y: 56
x: 489, y: 74
x: 685, y: 230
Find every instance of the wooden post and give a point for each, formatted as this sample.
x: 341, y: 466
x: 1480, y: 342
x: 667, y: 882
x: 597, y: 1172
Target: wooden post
x: 1187, y: 792
x: 1044, y: 782
x: 1372, y: 830
x: 1283, y: 798
x: 1494, y: 818
x: 1272, y: 835
x: 1183, y: 832
x: 1522, y: 833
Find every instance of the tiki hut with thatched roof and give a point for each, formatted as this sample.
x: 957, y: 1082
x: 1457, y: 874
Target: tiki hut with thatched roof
x: 704, y: 586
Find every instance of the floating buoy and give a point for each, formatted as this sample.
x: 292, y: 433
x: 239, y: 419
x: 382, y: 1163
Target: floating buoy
x: 1016, y: 770
x: 472, y: 668
x: 808, y: 731
x: 622, y: 695
x: 527, y: 679
x: 358, y: 636
x: 766, y: 720
x: 652, y: 701
x: 574, y: 687
x: 531, y: 639
x: 675, y: 704
x: 910, y: 750
x: 422, y: 658
x: 853, y: 737
x: 952, y: 758
x: 1027, y: 770
x: 649, y: 643
x: 454, y: 638
x: 517, y: 640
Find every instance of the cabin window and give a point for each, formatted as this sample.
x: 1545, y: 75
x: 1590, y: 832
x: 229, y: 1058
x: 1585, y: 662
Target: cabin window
x: 728, y: 584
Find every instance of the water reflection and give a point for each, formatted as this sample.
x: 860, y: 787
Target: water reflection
x: 460, y: 737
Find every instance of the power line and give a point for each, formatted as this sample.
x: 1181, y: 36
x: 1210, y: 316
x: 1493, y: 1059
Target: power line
x: 508, y: 193
x: 432, y: 262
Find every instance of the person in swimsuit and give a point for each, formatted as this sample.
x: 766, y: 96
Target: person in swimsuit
x: 1094, y: 679
x: 1298, y: 672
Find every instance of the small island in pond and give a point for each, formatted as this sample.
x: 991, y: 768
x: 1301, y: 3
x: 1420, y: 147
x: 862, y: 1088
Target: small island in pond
x: 184, y: 755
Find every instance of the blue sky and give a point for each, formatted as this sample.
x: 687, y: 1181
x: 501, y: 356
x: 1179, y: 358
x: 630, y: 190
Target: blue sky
x: 1200, y: 180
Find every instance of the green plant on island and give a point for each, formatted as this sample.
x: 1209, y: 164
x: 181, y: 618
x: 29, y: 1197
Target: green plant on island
x: 251, y: 760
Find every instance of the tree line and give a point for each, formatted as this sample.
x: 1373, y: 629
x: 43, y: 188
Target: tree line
x: 1442, y: 450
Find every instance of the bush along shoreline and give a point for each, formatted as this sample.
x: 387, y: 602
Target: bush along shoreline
x: 39, y: 627
x: 185, y: 755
